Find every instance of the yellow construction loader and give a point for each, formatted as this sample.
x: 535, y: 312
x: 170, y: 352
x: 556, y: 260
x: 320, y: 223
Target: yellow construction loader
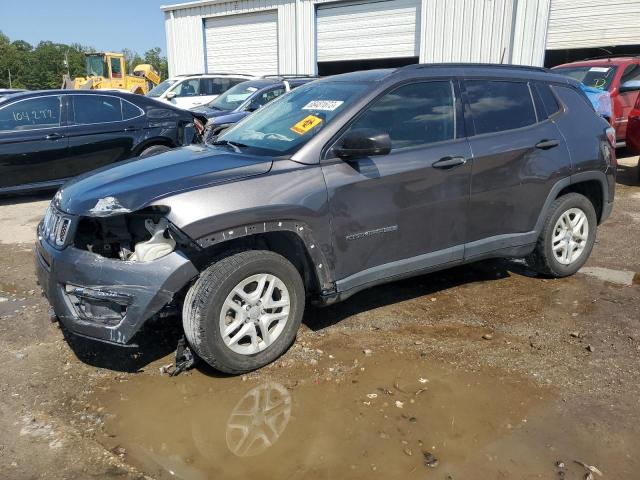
x: 108, y: 71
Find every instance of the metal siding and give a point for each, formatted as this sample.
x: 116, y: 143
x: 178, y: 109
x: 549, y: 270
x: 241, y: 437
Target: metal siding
x: 466, y: 30
x: 530, y: 32
x: 593, y: 23
x: 445, y: 31
x: 366, y: 30
x: 245, y: 43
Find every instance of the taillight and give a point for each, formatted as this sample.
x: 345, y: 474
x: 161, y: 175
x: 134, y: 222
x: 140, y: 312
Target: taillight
x: 609, y: 151
x: 611, y: 136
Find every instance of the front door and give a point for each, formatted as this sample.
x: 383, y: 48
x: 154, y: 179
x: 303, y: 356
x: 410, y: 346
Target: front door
x: 33, y: 140
x: 405, y: 210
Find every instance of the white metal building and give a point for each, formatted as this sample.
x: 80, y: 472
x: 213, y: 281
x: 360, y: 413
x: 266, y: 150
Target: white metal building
x: 329, y: 36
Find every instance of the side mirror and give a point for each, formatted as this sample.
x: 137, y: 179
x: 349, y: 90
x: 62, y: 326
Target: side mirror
x: 630, y: 86
x: 253, y: 106
x: 170, y: 95
x: 363, y: 142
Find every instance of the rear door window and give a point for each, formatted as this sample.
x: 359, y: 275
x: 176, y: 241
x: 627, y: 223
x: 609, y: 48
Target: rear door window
x: 497, y: 106
x: 413, y: 115
x: 31, y: 114
x: 90, y: 109
x: 213, y: 86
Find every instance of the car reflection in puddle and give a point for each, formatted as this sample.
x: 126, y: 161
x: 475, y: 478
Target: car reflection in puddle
x: 258, y: 419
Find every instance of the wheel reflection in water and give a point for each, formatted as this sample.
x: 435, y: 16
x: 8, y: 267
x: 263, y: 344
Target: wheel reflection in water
x: 258, y: 419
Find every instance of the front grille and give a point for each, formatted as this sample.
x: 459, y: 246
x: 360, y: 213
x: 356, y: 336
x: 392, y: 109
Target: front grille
x: 55, y: 227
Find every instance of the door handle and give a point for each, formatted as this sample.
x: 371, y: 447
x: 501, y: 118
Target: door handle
x: 547, y: 144
x: 449, y: 162
x: 130, y: 129
x: 54, y: 136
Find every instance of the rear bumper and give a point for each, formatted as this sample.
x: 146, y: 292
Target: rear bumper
x: 105, y: 299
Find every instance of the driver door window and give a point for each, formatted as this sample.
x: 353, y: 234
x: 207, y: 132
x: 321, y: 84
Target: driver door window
x: 188, y: 88
x: 266, y: 97
x: 413, y: 115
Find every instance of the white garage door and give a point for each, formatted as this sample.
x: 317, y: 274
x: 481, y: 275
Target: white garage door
x: 245, y: 43
x: 367, y: 30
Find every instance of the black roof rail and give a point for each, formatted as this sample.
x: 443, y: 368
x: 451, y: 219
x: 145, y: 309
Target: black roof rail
x: 490, y: 65
x: 290, y: 75
x: 214, y: 73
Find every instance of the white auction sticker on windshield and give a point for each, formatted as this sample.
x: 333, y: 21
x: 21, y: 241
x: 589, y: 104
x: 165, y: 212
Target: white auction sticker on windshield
x: 599, y: 69
x: 328, y: 105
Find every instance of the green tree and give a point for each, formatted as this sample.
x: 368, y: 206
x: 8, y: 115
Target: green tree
x: 42, y: 67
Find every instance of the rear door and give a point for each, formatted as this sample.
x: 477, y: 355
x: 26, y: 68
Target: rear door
x: 99, y: 132
x: 518, y: 155
x: 405, y: 210
x: 33, y: 140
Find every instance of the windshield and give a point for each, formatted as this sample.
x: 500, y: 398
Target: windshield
x: 596, y: 77
x: 286, y: 124
x: 160, y: 88
x: 233, y: 98
x: 95, y: 65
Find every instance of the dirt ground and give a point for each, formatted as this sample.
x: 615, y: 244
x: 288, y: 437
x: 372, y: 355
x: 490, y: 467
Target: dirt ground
x: 480, y: 372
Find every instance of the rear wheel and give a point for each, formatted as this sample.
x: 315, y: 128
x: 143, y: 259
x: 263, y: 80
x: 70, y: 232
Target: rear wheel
x: 244, y: 310
x: 154, y: 150
x: 567, y: 237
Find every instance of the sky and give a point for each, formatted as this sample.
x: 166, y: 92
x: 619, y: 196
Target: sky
x: 106, y: 25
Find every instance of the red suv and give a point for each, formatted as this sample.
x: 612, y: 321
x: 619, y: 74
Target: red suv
x: 620, y: 76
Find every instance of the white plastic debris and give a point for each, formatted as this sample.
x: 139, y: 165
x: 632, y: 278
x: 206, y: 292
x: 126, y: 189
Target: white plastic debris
x: 157, y: 246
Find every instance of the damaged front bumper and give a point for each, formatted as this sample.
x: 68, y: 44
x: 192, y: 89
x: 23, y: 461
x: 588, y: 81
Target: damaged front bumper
x: 107, y: 299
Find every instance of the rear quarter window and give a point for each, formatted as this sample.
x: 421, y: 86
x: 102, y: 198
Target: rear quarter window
x: 31, y: 114
x: 498, y: 106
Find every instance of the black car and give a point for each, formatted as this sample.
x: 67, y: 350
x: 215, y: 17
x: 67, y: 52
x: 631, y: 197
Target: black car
x: 47, y: 137
x: 243, y: 99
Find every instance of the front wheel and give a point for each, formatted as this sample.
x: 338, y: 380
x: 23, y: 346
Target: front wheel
x: 567, y: 237
x: 244, y: 310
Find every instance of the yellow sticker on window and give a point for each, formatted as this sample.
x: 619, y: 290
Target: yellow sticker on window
x: 306, y: 124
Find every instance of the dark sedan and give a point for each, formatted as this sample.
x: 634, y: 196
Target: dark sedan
x: 243, y: 99
x: 48, y: 137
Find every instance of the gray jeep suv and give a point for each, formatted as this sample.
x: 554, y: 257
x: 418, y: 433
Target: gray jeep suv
x: 345, y: 183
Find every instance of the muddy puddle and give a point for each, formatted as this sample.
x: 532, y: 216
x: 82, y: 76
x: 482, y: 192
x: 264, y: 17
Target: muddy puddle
x: 386, y: 416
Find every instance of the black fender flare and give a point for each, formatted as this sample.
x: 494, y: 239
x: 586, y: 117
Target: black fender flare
x: 318, y: 258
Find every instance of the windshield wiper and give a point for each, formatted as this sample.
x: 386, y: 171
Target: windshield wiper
x: 235, y: 145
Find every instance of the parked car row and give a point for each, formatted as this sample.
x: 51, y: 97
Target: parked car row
x: 48, y: 137
x: 344, y: 183
x: 620, y: 76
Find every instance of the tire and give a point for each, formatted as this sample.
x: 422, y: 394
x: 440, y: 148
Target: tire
x: 204, y: 319
x: 547, y: 261
x: 154, y: 150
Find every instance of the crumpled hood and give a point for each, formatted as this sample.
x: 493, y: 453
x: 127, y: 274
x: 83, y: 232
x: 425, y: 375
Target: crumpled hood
x: 209, y: 112
x: 133, y: 184
x: 220, y: 117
